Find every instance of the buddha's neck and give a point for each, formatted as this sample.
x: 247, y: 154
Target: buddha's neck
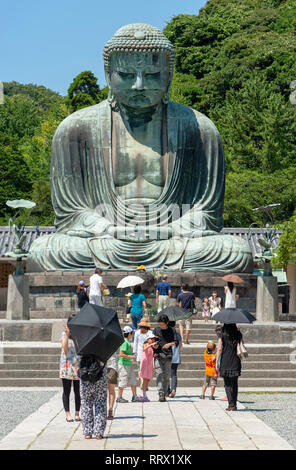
x: 139, y: 120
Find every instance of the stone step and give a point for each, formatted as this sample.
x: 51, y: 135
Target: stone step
x: 189, y: 382
x: 247, y: 365
x: 182, y: 374
x: 40, y: 366
x: 29, y: 358
x: 193, y: 348
x: 247, y: 374
x: 21, y: 374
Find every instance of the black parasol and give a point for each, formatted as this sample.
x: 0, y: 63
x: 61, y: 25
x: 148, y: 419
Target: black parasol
x: 96, y: 331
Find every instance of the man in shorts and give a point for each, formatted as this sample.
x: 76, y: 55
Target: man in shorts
x: 126, y: 373
x: 95, y: 288
x: 186, y: 300
x: 163, y: 293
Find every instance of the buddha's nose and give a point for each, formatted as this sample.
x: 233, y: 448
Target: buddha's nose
x: 139, y: 83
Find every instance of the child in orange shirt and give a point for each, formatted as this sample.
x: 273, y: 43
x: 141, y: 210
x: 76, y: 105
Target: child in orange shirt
x: 211, y: 375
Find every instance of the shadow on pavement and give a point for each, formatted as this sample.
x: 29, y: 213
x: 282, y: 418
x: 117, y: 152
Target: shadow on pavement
x: 122, y: 436
x: 129, y: 417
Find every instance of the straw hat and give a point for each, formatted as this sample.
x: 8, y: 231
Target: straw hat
x: 145, y: 322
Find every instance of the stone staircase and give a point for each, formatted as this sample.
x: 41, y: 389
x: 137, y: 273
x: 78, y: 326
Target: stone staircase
x: 37, y: 363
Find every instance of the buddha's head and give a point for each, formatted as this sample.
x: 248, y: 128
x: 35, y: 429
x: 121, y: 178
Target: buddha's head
x: 139, y: 63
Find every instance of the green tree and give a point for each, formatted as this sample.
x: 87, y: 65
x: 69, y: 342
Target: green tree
x: 14, y: 174
x: 19, y: 116
x: 286, y: 251
x: 249, y: 189
x: 84, y: 91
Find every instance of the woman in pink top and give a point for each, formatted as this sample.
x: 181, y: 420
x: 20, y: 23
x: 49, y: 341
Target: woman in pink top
x: 147, y: 364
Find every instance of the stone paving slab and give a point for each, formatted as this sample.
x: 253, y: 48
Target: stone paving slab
x: 185, y: 422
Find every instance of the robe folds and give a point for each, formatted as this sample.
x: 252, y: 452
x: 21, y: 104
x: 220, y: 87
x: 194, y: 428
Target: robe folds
x: 190, y: 207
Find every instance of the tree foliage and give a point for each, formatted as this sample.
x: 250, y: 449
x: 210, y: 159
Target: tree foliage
x: 84, y: 91
x: 286, y: 252
x: 29, y: 118
x: 15, y: 180
x: 234, y: 62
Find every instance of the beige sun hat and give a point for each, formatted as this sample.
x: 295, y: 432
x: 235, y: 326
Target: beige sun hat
x: 145, y: 322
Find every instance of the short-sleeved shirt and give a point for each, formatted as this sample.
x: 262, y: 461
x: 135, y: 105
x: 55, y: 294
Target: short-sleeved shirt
x: 210, y: 363
x: 163, y: 288
x: 94, y: 281
x: 186, y: 299
x: 137, y: 303
x: 69, y: 362
x: 127, y: 349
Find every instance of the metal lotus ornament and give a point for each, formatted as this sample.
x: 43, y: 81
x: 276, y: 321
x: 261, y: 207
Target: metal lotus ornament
x: 17, y: 229
x: 266, y: 240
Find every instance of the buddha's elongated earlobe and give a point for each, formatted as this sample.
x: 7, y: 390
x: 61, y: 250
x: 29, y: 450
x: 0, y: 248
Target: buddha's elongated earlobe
x: 166, y: 96
x: 111, y: 96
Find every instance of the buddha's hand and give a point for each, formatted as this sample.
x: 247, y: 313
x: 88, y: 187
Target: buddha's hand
x: 197, y: 233
x: 139, y: 235
x: 88, y: 231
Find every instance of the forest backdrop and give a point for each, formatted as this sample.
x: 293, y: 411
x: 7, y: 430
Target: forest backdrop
x: 234, y: 63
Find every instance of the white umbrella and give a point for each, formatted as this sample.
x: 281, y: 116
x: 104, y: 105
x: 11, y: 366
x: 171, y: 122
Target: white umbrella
x: 130, y: 281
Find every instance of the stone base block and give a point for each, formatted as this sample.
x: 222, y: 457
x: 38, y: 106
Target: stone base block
x: 18, y: 298
x: 267, y: 299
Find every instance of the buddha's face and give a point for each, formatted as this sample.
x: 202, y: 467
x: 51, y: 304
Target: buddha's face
x: 139, y: 80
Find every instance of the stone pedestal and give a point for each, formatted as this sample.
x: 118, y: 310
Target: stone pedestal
x: 18, y: 298
x: 267, y: 299
x: 291, y: 278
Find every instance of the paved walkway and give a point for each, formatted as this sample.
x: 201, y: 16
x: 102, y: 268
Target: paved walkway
x: 185, y: 422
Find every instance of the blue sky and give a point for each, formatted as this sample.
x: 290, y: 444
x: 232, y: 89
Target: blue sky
x: 48, y: 42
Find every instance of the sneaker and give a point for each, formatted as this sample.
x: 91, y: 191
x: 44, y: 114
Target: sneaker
x: 146, y: 399
x: 121, y: 400
x: 137, y: 399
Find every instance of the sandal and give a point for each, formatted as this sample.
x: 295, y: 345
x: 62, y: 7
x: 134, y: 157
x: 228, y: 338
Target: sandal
x: 172, y: 394
x: 70, y: 420
x: 99, y: 437
x: 110, y: 415
x: 88, y: 436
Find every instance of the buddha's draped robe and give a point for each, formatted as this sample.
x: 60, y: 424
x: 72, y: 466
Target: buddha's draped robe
x: 82, y: 180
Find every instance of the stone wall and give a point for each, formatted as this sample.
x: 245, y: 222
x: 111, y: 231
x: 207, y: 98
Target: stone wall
x: 56, y: 291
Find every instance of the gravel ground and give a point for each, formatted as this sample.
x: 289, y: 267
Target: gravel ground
x: 278, y: 410
x: 16, y: 405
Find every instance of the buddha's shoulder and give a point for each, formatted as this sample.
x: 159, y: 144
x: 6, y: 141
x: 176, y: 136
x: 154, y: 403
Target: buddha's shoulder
x: 84, y: 116
x: 191, y: 116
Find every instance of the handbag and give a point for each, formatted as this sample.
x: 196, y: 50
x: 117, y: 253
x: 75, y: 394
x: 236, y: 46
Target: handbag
x: 91, y: 370
x: 241, y: 350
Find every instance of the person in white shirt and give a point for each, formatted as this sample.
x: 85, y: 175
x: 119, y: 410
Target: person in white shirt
x: 95, y: 288
x: 230, y: 295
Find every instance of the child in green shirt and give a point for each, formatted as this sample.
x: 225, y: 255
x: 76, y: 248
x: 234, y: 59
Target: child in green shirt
x: 126, y: 373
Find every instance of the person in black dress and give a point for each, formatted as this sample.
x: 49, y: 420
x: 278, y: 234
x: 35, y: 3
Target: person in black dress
x: 230, y: 364
x: 82, y: 296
